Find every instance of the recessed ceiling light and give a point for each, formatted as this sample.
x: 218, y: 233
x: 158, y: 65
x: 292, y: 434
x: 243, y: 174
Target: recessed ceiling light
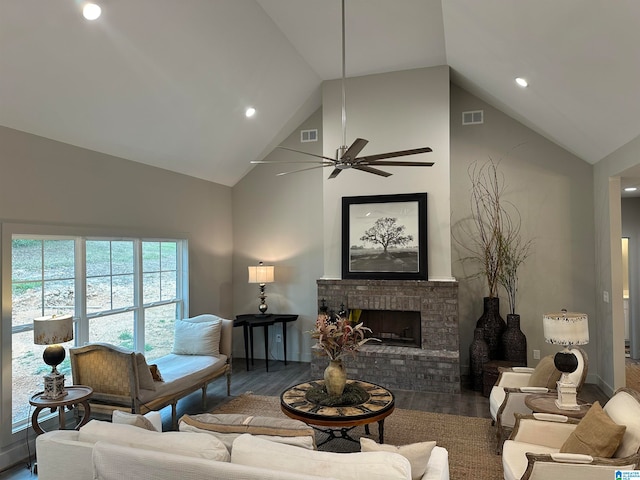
x: 250, y: 112
x: 522, y: 82
x: 631, y: 189
x: 91, y: 11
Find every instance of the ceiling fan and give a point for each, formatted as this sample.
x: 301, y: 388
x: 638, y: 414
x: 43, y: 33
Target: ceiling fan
x: 347, y: 157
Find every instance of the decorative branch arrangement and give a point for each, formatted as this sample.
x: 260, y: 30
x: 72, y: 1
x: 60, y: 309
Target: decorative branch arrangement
x: 339, y: 337
x: 494, y: 235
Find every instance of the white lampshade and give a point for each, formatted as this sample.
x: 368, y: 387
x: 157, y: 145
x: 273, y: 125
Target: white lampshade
x: 261, y: 273
x: 566, y: 328
x: 53, y: 329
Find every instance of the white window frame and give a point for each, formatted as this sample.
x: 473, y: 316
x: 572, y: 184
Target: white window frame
x: 15, y: 437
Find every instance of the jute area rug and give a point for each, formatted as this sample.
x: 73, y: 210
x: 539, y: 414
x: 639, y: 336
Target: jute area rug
x: 470, y: 441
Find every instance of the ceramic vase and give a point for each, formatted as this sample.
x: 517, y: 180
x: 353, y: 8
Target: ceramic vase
x: 478, y: 355
x: 335, y: 378
x: 514, y: 342
x: 493, y: 325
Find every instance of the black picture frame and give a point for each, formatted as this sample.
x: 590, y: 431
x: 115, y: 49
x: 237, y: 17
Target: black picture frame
x: 368, y: 259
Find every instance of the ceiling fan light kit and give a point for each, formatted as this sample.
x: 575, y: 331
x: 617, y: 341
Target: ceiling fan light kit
x: 347, y: 156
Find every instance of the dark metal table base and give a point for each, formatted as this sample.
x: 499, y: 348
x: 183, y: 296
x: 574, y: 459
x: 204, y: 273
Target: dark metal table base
x: 344, y: 433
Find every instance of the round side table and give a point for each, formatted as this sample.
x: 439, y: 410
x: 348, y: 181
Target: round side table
x: 546, y: 403
x: 76, y: 395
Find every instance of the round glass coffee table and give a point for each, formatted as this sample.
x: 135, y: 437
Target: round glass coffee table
x: 300, y: 402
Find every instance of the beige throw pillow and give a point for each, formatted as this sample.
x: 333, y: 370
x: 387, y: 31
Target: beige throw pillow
x: 417, y: 453
x: 137, y: 420
x: 596, y: 435
x: 197, y: 338
x: 545, y: 374
x: 145, y: 378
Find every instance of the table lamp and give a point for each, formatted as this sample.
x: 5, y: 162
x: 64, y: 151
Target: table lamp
x: 566, y: 328
x: 52, y: 331
x: 261, y: 274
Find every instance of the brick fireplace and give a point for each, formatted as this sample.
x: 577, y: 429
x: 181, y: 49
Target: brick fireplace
x: 432, y: 365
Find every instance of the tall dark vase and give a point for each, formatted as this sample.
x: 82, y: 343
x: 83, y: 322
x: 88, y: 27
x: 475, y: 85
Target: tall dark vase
x: 478, y: 355
x: 514, y: 342
x: 493, y: 325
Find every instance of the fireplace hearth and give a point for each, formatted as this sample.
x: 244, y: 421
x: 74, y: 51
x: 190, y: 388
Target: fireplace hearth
x: 423, y: 357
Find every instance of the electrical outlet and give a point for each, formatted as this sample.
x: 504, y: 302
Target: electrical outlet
x: 536, y: 354
x: 278, y: 338
x: 605, y: 296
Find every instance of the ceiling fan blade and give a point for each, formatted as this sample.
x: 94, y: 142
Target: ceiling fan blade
x: 375, y: 171
x: 390, y: 163
x: 332, y: 160
x: 335, y: 173
x: 301, y: 170
x: 400, y: 153
x: 260, y: 162
x: 355, y: 148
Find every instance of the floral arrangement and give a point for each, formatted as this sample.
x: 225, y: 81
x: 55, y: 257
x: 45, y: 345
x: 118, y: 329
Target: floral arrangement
x: 339, y: 337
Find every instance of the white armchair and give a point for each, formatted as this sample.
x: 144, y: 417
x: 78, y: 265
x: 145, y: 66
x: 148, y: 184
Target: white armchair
x: 508, y: 394
x: 533, y: 451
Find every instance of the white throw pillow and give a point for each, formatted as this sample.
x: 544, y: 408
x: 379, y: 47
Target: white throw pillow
x: 189, y: 444
x: 417, y: 453
x: 257, y: 452
x: 197, y: 338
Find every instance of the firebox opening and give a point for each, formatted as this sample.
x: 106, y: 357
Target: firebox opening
x: 393, y: 327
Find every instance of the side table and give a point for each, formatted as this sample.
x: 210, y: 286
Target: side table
x: 250, y: 321
x: 76, y: 395
x: 546, y: 403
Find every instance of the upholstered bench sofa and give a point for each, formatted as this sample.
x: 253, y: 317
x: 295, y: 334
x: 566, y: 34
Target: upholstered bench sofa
x: 105, y: 451
x: 122, y: 380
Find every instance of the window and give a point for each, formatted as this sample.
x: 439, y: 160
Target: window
x: 122, y: 291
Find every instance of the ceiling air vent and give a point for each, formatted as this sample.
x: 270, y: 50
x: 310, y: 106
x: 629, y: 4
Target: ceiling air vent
x: 475, y: 117
x: 309, y: 135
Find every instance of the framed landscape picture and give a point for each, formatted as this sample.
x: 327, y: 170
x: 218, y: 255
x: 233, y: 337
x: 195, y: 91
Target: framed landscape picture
x: 384, y: 237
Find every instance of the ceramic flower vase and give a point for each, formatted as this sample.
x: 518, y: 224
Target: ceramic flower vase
x: 478, y: 355
x: 514, y: 342
x: 493, y: 325
x: 335, y: 378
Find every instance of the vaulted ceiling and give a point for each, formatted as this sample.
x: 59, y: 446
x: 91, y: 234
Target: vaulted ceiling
x: 166, y: 82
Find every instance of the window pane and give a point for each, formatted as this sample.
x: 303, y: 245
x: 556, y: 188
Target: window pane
x: 98, y: 294
x: 121, y: 257
x: 28, y: 367
x: 59, y: 259
x: 116, y: 329
x: 122, y: 291
x: 150, y: 256
x: 169, y: 284
x: 169, y: 255
x: 26, y: 257
x: 59, y: 297
x: 26, y: 302
x: 151, y: 287
x: 98, y: 257
x: 159, y: 324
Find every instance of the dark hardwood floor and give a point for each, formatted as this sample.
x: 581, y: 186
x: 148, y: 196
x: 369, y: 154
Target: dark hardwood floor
x: 260, y: 382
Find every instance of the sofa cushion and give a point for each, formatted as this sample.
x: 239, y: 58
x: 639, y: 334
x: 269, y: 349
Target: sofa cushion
x: 545, y: 374
x: 188, y: 444
x: 257, y: 452
x: 201, y: 338
x: 596, y: 435
x: 417, y: 453
x: 227, y: 427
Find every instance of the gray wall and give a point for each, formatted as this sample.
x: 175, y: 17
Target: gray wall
x: 553, y: 191
x: 43, y: 181
x: 278, y: 220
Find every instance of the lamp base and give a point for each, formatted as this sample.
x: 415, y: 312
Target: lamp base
x: 53, y: 386
x: 567, y: 396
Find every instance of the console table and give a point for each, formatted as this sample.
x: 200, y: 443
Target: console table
x: 250, y: 321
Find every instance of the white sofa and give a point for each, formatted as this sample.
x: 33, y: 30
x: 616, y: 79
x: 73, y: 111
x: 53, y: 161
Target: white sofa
x: 106, y: 451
